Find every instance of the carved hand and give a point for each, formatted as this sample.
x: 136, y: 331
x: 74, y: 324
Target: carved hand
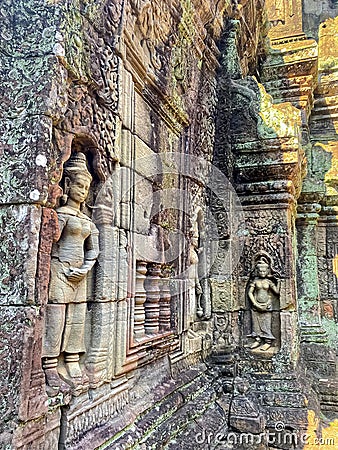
x: 76, y: 274
x: 275, y: 287
x: 262, y: 308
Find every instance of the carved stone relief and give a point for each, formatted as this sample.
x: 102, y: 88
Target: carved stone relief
x: 264, y: 230
x: 263, y: 292
x: 244, y: 407
x: 150, y: 22
x: 199, y: 293
x: 226, y: 333
x: 286, y: 17
x: 195, y: 291
x: 74, y: 253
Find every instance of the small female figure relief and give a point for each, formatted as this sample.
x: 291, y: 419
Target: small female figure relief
x: 263, y: 289
x: 197, y: 290
x: 74, y: 253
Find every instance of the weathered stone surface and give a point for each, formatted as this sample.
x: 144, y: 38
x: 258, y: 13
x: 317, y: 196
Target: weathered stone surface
x: 25, y: 180
x: 18, y: 339
x: 314, y: 13
x: 20, y: 228
x: 285, y: 17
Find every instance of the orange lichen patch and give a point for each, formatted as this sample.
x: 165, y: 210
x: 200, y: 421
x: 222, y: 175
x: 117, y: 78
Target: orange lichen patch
x: 292, y: 142
x: 327, y: 307
x: 331, y: 176
x: 330, y: 435
x: 290, y: 157
x: 325, y: 439
x: 328, y: 45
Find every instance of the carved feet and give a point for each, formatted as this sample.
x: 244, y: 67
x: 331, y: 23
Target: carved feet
x: 55, y: 384
x: 256, y: 344
x: 260, y: 345
x: 265, y: 347
x: 73, y: 375
x: 65, y: 379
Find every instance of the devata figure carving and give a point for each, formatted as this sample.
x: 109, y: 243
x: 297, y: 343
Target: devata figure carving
x: 263, y: 288
x: 197, y: 291
x: 74, y: 253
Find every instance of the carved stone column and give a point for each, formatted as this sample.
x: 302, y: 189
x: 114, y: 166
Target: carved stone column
x: 152, y: 304
x: 140, y: 298
x: 307, y: 273
x: 311, y: 286
x: 328, y: 259
x: 104, y: 286
x: 165, y: 297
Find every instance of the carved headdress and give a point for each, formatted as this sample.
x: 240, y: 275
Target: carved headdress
x: 77, y: 164
x: 263, y: 259
x: 263, y: 262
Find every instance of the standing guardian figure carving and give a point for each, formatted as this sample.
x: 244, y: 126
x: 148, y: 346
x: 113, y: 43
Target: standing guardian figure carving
x: 74, y: 253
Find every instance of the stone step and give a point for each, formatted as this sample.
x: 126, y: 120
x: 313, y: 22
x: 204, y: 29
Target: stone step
x: 328, y: 395
x: 202, y: 431
x: 282, y: 386
x: 281, y: 399
x: 163, y: 418
x: 178, y: 422
x: 291, y: 418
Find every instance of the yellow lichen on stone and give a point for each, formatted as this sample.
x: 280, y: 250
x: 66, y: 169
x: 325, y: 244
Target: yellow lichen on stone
x: 323, y: 439
x: 292, y: 52
x: 335, y: 265
x: 328, y: 45
x: 284, y: 119
x: 331, y: 176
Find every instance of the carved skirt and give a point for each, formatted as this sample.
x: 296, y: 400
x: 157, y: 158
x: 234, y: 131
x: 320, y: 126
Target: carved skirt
x: 65, y: 313
x: 64, y: 329
x: 61, y: 290
x: 261, y: 324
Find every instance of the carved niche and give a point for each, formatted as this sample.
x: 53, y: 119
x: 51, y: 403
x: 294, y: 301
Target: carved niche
x: 199, y: 292
x: 74, y: 253
x: 262, y: 300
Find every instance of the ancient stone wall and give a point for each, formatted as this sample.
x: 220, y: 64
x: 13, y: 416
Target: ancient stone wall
x: 125, y: 84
